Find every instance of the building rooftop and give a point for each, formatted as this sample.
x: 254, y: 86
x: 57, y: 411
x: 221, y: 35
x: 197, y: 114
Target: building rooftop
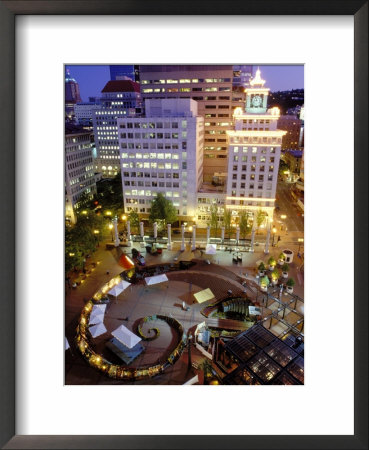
x: 121, y: 86
x: 266, y: 359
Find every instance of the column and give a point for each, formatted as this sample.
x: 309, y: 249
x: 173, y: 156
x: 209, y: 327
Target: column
x: 253, y: 235
x: 266, y: 249
x: 222, y: 235
x: 183, y: 238
x: 116, y: 237
x: 193, y: 238
x: 155, y: 230
x: 128, y: 233
x: 237, y: 234
x: 142, y: 230
x: 169, y: 246
x: 208, y: 234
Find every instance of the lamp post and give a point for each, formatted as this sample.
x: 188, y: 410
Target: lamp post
x: 300, y: 241
x: 96, y: 233
x: 208, y: 234
x: 111, y: 226
x: 222, y: 235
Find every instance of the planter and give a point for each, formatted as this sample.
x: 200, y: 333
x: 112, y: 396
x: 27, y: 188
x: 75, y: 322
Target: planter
x: 289, y: 289
x: 271, y: 268
x: 261, y: 273
x: 264, y: 288
x: 285, y: 274
x: 280, y: 262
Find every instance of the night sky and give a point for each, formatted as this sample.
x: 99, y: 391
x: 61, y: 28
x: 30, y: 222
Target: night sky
x: 92, y: 79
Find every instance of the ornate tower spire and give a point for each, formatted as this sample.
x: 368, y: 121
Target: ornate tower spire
x: 257, y: 80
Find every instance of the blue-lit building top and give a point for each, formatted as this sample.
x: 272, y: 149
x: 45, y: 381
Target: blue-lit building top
x: 118, y: 71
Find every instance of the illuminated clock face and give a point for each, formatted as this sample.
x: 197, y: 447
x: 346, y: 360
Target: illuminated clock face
x: 256, y: 101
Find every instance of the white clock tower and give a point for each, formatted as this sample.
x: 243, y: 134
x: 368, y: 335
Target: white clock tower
x: 254, y: 149
x: 257, y: 95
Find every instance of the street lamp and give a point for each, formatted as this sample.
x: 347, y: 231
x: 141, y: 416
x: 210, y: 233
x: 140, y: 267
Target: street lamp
x: 111, y: 226
x: 300, y: 241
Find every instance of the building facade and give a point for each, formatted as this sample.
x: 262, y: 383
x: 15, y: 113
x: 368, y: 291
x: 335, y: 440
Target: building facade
x: 162, y: 152
x: 84, y: 112
x: 212, y: 86
x: 121, y: 98
x: 292, y: 124
x: 254, y: 149
x: 79, y: 169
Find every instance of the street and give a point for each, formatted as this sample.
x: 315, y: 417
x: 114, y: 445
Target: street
x: 294, y: 220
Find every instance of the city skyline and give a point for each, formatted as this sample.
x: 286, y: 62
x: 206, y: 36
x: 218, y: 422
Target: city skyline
x: 92, y: 78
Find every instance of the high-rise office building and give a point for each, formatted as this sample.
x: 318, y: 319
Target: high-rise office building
x: 242, y: 75
x: 121, y: 98
x: 162, y: 152
x: 212, y: 87
x: 79, y: 168
x: 254, y: 152
x: 292, y: 125
x: 118, y: 72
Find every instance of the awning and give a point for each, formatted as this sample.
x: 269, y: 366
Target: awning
x: 126, y: 262
x: 97, y: 330
x: 211, y: 249
x: 156, y: 279
x: 126, y: 337
x: 204, y: 295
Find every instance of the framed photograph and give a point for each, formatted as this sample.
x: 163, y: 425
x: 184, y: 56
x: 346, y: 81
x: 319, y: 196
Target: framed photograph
x: 116, y: 381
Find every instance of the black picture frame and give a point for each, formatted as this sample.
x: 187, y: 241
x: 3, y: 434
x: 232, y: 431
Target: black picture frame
x: 8, y: 12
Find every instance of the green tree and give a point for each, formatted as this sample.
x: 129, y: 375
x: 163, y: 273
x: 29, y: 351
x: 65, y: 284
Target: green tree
x: 227, y: 221
x: 245, y: 226
x: 260, y: 218
x: 110, y: 194
x: 214, y: 218
x: 81, y: 240
x: 134, y: 219
x: 162, y: 211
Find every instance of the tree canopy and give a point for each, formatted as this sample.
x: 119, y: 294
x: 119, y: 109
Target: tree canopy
x: 227, y: 221
x: 162, y: 210
x: 81, y: 239
x: 245, y: 226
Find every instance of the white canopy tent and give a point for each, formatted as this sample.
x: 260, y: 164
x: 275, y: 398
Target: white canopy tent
x: 116, y: 290
x: 211, y: 249
x: 97, y: 330
x: 204, y: 295
x: 98, y: 309
x: 126, y: 337
x: 156, y: 279
x: 96, y: 317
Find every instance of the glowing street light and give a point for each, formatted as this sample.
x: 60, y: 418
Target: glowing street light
x: 300, y: 241
x: 283, y: 216
x: 111, y: 226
